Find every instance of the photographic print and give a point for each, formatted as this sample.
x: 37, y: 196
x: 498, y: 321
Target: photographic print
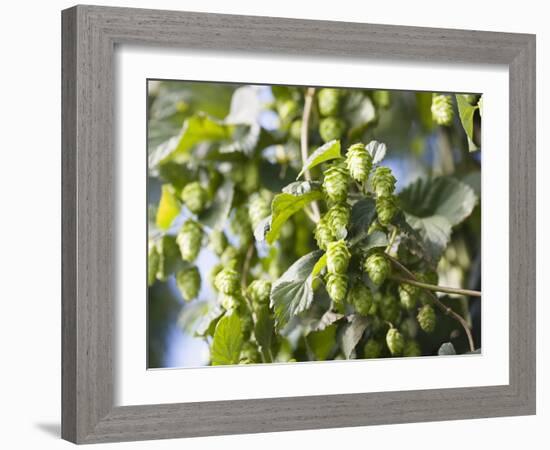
x: 295, y: 224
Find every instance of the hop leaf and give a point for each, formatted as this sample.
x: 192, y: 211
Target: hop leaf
x: 218, y: 241
x: 227, y: 281
x: 372, y: 349
x: 337, y: 218
x: 383, y: 181
x: 360, y: 297
x: 408, y: 295
x: 331, y: 128
x: 386, y: 208
x: 189, y: 282
x: 412, y: 349
x: 259, y: 209
x: 259, y: 291
x: 336, y: 183
x: 189, y: 240
x: 377, y: 267
x: 194, y: 196
x: 337, y: 286
x: 338, y: 257
x: 323, y: 233
x: 426, y: 318
x: 359, y: 162
x: 395, y: 342
x: 328, y: 100
x: 442, y: 109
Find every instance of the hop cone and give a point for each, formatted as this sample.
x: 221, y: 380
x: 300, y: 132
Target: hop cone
x: 395, y: 342
x: 328, y: 100
x: 408, y: 295
x: 189, y: 282
x: 426, y: 318
x: 240, y: 226
x: 227, y: 281
x: 215, y: 179
x: 247, y: 323
x: 338, y: 257
x: 331, y: 128
x: 412, y: 349
x: 337, y: 218
x: 259, y: 291
x: 442, y: 109
x: 383, y: 182
x: 359, y: 162
x: 323, y: 233
x: 229, y: 301
x: 259, y: 209
x: 189, y: 240
x: 212, y: 275
x: 249, y: 354
x: 377, y: 267
x: 360, y: 297
x: 218, y: 241
x: 296, y: 130
x: 194, y: 196
x: 381, y: 98
x: 389, y: 308
x: 337, y: 286
x: 152, y: 264
x: 386, y: 208
x: 287, y: 109
x: 372, y: 349
x: 336, y: 183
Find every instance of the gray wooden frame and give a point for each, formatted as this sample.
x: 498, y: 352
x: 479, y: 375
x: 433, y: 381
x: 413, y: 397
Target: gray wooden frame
x: 90, y: 34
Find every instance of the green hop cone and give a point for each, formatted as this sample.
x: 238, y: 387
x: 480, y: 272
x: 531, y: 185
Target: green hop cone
x: 336, y: 183
x: 426, y: 318
x: 153, y: 260
x: 328, y: 100
x: 323, y: 233
x: 194, y: 196
x: 287, y: 109
x: 372, y: 349
x: 217, y: 241
x: 377, y: 268
x: 296, y: 130
x: 389, y: 308
x: 337, y: 286
x: 331, y: 128
x: 408, y: 295
x: 229, y: 301
x: 247, y: 322
x: 381, y: 99
x: 359, y: 162
x: 395, y: 342
x: 189, y: 282
x: 338, y: 257
x: 442, y: 109
x: 337, y: 218
x: 360, y: 297
x: 240, y: 226
x: 231, y: 257
x: 227, y: 281
x: 249, y: 354
x: 259, y: 291
x: 212, y: 275
x: 412, y: 349
x: 383, y: 181
x: 189, y: 240
x: 386, y: 208
x: 259, y: 208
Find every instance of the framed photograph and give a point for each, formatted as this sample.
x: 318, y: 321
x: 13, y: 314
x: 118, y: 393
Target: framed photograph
x: 265, y: 229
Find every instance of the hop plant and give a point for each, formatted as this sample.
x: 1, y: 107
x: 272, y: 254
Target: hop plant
x: 359, y: 162
x: 395, y: 342
x: 412, y: 349
x: 337, y: 286
x: 336, y: 183
x: 328, y: 100
x: 227, y: 281
x: 258, y: 210
x: 442, y: 109
x: 217, y: 241
x: 383, y: 181
x: 408, y: 295
x: 372, y: 349
x: 323, y: 233
x: 426, y: 318
x: 360, y: 297
x: 389, y: 308
x: 194, y: 196
x: 386, y: 208
x: 189, y: 240
x: 189, y: 282
x: 259, y: 291
x: 337, y: 218
x: 377, y: 268
x: 338, y: 257
x: 331, y: 128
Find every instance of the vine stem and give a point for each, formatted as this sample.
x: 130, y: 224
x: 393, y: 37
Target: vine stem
x: 314, y: 214
x: 437, y: 288
x: 438, y: 302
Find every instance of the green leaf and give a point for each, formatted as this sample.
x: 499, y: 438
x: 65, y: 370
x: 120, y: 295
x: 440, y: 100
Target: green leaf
x: 169, y: 207
x: 228, y: 341
x: 374, y: 240
x: 362, y: 215
x: 284, y: 206
x: 322, y: 342
x: 292, y: 293
x: 263, y: 331
x: 435, y: 232
x: 330, y: 150
x: 466, y: 113
x: 446, y: 349
x: 351, y: 333
x: 192, y: 315
x: 216, y: 214
x: 319, y: 265
x: 207, y: 325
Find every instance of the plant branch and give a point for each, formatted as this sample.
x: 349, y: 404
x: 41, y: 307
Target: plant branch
x: 436, y: 288
x: 438, y: 302
x: 304, y: 134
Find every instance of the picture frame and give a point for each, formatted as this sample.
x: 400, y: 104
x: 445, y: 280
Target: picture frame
x: 89, y: 37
